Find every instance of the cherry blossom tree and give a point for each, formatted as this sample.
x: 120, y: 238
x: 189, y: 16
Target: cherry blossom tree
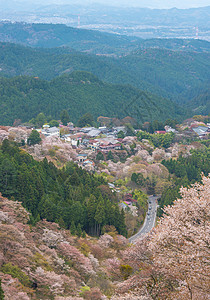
x: 180, y: 243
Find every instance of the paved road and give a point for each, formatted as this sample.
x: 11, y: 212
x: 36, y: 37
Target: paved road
x: 149, y: 221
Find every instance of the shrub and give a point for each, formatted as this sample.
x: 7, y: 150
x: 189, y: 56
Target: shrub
x: 126, y: 271
x: 84, y: 289
x: 16, y: 272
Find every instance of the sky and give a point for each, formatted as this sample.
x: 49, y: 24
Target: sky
x: 137, y: 3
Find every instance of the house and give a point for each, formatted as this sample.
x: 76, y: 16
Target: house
x: 52, y: 131
x: 93, y: 144
x: 110, y: 147
x: 169, y: 129
x: 87, y: 129
x: 81, y: 157
x: 89, y: 165
x: 201, y: 131
x: 94, y: 132
x: 66, y: 137
x: 128, y: 199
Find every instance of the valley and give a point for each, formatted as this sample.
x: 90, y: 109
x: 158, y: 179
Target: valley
x: 104, y: 152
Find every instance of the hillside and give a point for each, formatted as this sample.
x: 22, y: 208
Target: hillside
x: 177, y: 75
x: 80, y: 92
x: 57, y: 35
x: 47, y: 262
x: 201, y: 103
x: 90, y: 41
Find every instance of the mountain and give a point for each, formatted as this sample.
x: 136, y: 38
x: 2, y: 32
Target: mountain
x: 51, y: 35
x: 178, y: 75
x: 79, y: 92
x: 90, y: 41
x: 134, y: 21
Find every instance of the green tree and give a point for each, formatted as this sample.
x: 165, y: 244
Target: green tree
x: 79, y: 230
x: 109, y: 155
x: 121, y: 134
x: 86, y: 120
x: 34, y: 138
x: 129, y: 130
x: 1, y: 292
x: 99, y: 156
x: 100, y: 214
x: 73, y: 228
x: 64, y: 117
x: 54, y: 123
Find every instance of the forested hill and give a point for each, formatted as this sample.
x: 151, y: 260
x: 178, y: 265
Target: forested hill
x: 80, y: 92
x: 68, y: 196
x: 177, y: 75
x: 57, y: 35
x: 201, y: 103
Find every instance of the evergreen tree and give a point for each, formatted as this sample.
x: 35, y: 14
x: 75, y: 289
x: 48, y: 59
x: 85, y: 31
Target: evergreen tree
x: 109, y: 156
x: 1, y: 292
x: 86, y: 120
x: 100, y: 156
x: 64, y: 116
x: 99, y: 215
x: 34, y: 138
x: 91, y: 209
x: 73, y: 228
x: 79, y: 230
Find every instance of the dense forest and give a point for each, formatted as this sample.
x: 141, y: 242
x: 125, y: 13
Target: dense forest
x: 80, y: 92
x: 178, y: 75
x: 184, y: 171
x: 70, y: 196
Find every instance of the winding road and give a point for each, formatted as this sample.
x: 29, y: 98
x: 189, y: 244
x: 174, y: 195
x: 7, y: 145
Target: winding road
x: 149, y: 221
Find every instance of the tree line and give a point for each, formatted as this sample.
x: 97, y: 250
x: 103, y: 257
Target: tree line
x: 69, y: 196
x: 183, y: 172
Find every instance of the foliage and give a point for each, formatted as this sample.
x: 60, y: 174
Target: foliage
x: 39, y: 120
x: 23, y: 97
x: 186, y: 170
x: 16, y: 272
x: 99, y: 156
x: 34, y: 138
x: 159, y: 71
x: 70, y: 196
x: 54, y: 123
x: 120, y: 134
x: 84, y: 289
x: 86, y: 120
x: 138, y: 178
x: 126, y: 271
x: 1, y: 292
x: 64, y: 116
x: 180, y: 243
x: 158, y: 140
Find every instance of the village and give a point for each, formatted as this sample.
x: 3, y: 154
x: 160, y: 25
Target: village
x: 115, y: 153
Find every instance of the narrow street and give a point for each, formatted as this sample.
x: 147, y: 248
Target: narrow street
x: 149, y: 221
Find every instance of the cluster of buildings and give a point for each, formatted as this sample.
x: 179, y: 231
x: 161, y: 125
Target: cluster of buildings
x: 87, y: 140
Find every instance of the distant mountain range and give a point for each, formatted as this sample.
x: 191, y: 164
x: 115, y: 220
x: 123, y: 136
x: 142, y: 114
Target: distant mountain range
x: 90, y: 41
x: 133, y: 21
x: 168, y: 68
x: 178, y: 75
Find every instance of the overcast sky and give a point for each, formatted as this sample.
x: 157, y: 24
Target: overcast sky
x: 138, y: 3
